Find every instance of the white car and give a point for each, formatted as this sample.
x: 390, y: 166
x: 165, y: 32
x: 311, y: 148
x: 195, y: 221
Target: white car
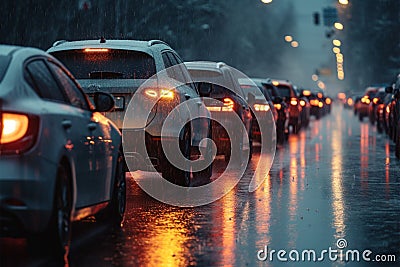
x: 60, y: 159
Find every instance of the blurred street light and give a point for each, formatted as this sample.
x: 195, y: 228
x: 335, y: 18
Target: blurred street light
x: 336, y: 50
x: 294, y: 44
x: 338, y: 26
x: 344, y: 2
x: 266, y: 1
x: 314, y: 77
x: 288, y: 38
x: 336, y: 42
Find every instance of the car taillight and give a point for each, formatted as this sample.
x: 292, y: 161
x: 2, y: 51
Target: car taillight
x: 293, y: 102
x: 228, y: 104
x: 314, y: 102
x: 159, y: 93
x: 18, y: 132
x: 96, y: 50
x: 328, y: 101
x: 302, y: 103
x: 278, y: 106
x: 388, y: 109
x: 320, y: 104
x: 261, y: 107
x: 375, y: 100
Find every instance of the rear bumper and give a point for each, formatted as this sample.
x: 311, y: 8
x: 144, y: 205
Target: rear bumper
x: 26, y: 195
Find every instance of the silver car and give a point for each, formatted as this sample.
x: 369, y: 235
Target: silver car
x: 60, y: 159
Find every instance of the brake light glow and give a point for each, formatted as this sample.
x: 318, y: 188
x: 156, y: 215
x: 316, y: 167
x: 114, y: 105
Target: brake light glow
x: 314, y: 102
x: 375, y: 100
x: 96, y: 50
x: 228, y: 104
x: 159, y: 93
x: 349, y: 102
x: 278, y: 106
x: 293, y: 102
x: 302, y: 103
x: 387, y: 109
x: 261, y: 107
x: 15, y: 127
x: 306, y: 92
x: 320, y: 104
x: 365, y: 100
x: 328, y: 101
x: 320, y: 95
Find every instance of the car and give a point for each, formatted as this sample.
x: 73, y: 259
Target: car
x: 305, y: 108
x: 395, y: 111
x: 140, y: 72
x: 60, y: 158
x: 226, y: 101
x: 316, y: 105
x: 376, y: 108
x: 262, y: 104
x: 389, y: 102
x: 281, y: 114
x: 373, y: 105
x: 287, y: 92
x: 363, y: 106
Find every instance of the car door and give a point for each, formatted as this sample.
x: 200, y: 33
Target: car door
x: 63, y: 125
x: 94, y: 132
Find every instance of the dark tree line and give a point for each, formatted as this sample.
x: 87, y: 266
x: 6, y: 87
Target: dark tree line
x: 372, y: 41
x: 241, y: 33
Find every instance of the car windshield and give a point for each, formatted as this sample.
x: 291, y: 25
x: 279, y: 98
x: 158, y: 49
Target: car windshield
x: 284, y: 90
x: 4, y: 62
x: 108, y: 64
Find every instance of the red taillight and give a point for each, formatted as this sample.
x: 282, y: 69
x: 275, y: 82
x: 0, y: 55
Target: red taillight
x: 293, y: 102
x: 278, y: 106
x: 302, y: 103
x: 96, y: 50
x: 18, y: 132
x: 228, y: 104
x: 375, y: 100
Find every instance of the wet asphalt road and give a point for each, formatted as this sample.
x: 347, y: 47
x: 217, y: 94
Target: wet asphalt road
x: 338, y: 179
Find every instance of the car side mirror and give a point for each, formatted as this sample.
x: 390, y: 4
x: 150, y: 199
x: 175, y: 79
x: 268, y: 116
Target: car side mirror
x: 103, y: 101
x: 204, y: 88
x: 389, y: 90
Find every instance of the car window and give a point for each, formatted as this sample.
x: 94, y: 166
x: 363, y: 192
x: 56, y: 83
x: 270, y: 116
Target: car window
x: 4, y: 62
x: 167, y: 64
x: 186, y: 78
x: 107, y: 63
x: 284, y: 90
x: 43, y: 82
x: 75, y: 96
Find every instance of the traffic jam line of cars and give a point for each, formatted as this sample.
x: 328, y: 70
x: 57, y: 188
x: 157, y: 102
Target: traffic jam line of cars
x: 61, y: 150
x: 381, y: 105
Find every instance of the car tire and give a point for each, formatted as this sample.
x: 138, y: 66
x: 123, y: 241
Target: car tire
x: 397, y: 146
x: 205, y: 175
x: 57, y: 237
x: 174, y: 174
x: 115, y: 211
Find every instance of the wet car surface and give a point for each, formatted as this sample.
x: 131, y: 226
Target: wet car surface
x: 337, y: 179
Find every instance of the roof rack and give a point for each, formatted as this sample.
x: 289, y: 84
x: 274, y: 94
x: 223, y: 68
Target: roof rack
x: 59, y: 42
x: 154, y: 42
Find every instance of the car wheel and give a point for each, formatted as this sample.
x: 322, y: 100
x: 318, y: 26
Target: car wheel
x: 175, y: 174
x: 205, y: 175
x: 397, y: 147
x: 115, y: 210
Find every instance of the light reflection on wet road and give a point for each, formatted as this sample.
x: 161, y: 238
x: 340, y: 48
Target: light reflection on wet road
x: 337, y: 179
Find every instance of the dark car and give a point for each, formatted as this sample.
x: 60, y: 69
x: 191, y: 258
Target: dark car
x: 287, y: 92
x: 376, y: 107
x: 281, y: 108
x: 61, y: 160
x: 363, y: 107
x: 395, y: 111
x: 122, y: 67
x: 228, y: 102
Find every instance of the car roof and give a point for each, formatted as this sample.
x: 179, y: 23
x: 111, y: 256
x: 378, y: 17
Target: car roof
x: 133, y: 45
